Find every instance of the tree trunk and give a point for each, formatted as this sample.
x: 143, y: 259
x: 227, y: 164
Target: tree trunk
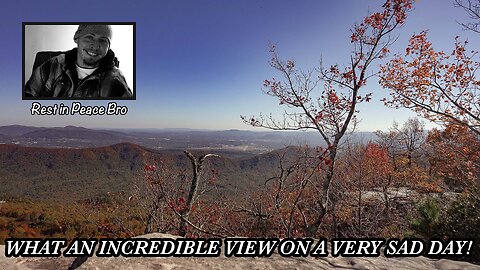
x: 325, y: 196
x: 197, y: 167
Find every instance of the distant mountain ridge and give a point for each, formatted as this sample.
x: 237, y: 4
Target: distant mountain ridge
x: 240, y: 141
x: 71, y: 132
x: 16, y: 130
x: 76, y: 174
x: 57, y: 132
x: 52, y: 173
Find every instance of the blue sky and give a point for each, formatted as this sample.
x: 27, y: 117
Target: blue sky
x: 201, y: 63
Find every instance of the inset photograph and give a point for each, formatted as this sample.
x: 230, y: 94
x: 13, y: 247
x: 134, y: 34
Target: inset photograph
x: 77, y: 61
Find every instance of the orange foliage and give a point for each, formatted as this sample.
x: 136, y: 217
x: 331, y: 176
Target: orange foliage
x: 439, y: 86
x: 455, y: 155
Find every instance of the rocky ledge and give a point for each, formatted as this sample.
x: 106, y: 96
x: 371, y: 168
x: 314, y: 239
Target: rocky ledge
x: 274, y: 262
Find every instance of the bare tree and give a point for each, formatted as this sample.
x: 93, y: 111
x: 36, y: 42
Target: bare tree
x: 334, y: 111
x: 197, y: 169
x: 288, y: 205
x: 472, y: 7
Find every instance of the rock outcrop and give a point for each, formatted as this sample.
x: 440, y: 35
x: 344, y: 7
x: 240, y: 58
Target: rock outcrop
x: 233, y: 263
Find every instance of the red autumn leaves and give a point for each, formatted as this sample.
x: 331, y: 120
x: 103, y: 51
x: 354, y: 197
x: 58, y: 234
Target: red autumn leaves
x: 439, y: 86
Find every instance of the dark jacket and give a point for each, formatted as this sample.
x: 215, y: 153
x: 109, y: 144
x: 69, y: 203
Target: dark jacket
x: 58, y: 77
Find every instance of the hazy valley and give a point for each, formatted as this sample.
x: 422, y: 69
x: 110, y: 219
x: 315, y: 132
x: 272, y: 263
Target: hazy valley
x: 78, y: 182
x: 236, y: 141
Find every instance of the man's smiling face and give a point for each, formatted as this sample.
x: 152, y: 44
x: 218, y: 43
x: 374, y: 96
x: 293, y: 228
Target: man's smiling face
x: 91, y: 49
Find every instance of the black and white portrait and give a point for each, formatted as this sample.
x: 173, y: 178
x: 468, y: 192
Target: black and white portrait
x: 79, y: 61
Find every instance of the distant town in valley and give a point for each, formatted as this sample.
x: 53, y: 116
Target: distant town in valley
x: 241, y: 141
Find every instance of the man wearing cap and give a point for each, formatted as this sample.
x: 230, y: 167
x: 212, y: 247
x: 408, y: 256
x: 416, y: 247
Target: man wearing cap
x: 87, y: 71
